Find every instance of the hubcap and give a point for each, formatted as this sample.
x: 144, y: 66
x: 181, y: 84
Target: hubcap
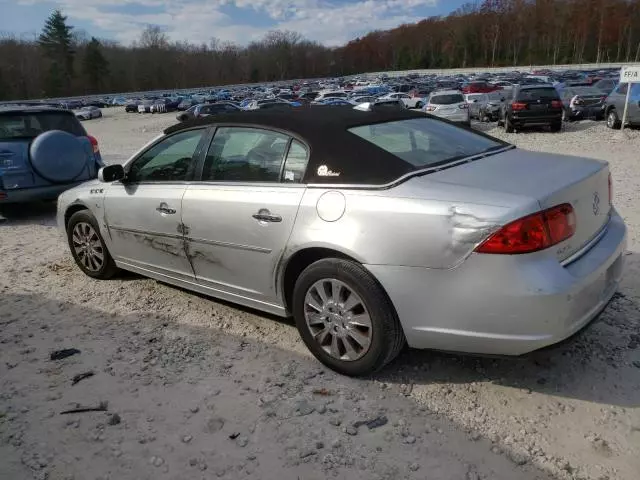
x: 88, y: 246
x: 338, y: 319
x: 611, y: 120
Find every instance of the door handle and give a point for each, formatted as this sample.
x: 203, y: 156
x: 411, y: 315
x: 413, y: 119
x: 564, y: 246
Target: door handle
x: 164, y: 208
x: 265, y: 215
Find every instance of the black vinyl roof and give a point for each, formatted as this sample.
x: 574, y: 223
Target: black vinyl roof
x: 325, y: 131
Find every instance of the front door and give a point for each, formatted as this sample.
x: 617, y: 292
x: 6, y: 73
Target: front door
x: 144, y: 213
x: 240, y: 216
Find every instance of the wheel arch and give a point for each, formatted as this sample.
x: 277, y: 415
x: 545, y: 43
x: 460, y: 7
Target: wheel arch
x: 71, y: 209
x: 297, y: 261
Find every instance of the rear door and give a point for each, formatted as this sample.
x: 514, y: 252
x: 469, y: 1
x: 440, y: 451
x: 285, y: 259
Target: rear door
x: 240, y: 215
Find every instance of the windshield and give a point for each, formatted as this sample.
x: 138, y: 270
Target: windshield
x: 424, y: 142
x: 30, y: 125
x: 449, y: 99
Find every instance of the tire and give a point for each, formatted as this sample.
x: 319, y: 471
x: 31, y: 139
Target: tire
x: 613, y: 121
x: 556, y: 126
x: 83, y: 226
x: 48, y: 163
x: 384, y: 332
x: 419, y: 105
x: 508, y: 127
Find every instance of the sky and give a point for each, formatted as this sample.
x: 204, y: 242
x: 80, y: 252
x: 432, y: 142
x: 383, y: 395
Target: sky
x: 331, y: 22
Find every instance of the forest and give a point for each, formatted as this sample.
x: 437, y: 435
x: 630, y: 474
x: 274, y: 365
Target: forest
x: 62, y: 61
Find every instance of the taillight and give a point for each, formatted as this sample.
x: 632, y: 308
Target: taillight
x: 94, y: 143
x: 533, y: 232
x: 517, y: 106
x: 610, y: 190
x: 463, y: 106
x: 557, y: 103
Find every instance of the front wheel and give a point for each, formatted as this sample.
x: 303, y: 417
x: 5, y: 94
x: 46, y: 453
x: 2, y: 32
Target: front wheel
x: 419, y: 105
x: 88, y: 248
x: 613, y: 121
x: 345, y: 317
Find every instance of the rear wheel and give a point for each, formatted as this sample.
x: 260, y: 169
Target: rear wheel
x: 556, y: 126
x: 419, y: 105
x: 613, y: 121
x: 88, y: 247
x: 345, y: 317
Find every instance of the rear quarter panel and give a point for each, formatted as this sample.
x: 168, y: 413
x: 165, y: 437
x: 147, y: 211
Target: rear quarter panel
x: 404, y: 225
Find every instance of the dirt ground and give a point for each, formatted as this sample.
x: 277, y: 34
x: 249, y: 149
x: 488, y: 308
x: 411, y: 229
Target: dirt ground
x: 196, y: 388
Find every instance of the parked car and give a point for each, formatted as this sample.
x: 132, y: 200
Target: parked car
x: 448, y: 104
x: 405, y: 98
x: 582, y: 102
x: 416, y: 232
x: 165, y: 104
x: 132, y: 105
x: 145, y: 105
x: 186, y: 104
x: 490, y: 111
x: 532, y: 105
x: 330, y: 94
x: 613, y: 106
x: 87, y: 113
x: 43, y: 151
x: 476, y: 102
x: 97, y: 102
x: 187, y: 114
x: 479, y: 87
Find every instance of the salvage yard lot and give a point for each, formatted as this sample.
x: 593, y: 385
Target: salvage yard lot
x: 185, y: 372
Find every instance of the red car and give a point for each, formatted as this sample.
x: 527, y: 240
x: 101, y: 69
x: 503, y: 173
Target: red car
x: 480, y: 87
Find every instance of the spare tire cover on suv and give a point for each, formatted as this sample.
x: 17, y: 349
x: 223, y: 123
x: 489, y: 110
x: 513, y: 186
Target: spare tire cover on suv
x: 58, y: 156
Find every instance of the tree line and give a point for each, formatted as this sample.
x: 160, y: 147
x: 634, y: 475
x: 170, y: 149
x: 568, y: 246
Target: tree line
x: 62, y: 61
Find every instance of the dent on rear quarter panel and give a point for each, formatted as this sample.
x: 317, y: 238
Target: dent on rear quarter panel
x: 379, y: 228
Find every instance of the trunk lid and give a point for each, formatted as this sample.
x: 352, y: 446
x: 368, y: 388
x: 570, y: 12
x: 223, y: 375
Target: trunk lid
x: 549, y: 179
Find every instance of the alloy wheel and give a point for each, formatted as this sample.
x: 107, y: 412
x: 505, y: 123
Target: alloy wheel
x: 87, y: 246
x: 338, y: 319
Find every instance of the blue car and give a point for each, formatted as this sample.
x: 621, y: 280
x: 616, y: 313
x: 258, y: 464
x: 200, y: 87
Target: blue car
x: 43, y: 152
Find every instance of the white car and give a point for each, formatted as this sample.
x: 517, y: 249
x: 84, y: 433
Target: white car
x: 450, y: 105
x: 87, y: 113
x: 330, y: 94
x: 408, y: 100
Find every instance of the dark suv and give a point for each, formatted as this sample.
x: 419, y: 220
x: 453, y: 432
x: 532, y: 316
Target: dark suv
x: 532, y: 105
x: 43, y: 151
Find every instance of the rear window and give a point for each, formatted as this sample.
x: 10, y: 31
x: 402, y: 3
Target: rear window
x: 30, y: 125
x: 548, y: 93
x: 425, y: 142
x: 447, y: 99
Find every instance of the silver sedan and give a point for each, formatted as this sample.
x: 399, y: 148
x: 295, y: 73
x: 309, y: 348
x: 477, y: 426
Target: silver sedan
x: 373, y: 229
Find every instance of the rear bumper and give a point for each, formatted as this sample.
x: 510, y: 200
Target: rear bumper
x: 462, y: 117
x: 518, y: 120
x: 505, y: 304
x: 25, y: 195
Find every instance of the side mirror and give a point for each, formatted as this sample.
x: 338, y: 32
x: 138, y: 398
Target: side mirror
x: 111, y: 173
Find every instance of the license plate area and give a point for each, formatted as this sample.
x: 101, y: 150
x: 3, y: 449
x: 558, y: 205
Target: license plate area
x: 536, y: 107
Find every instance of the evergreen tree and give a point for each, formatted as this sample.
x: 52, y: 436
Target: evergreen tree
x: 57, y: 44
x: 94, y: 65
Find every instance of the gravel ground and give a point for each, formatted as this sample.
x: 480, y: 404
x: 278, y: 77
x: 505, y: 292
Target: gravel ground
x: 202, y: 389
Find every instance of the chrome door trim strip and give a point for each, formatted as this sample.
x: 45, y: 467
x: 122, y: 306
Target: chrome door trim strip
x: 146, y: 233
x: 237, y: 246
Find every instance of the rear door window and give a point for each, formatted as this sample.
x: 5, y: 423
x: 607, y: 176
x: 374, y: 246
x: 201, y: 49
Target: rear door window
x: 448, y: 99
x: 534, y: 94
